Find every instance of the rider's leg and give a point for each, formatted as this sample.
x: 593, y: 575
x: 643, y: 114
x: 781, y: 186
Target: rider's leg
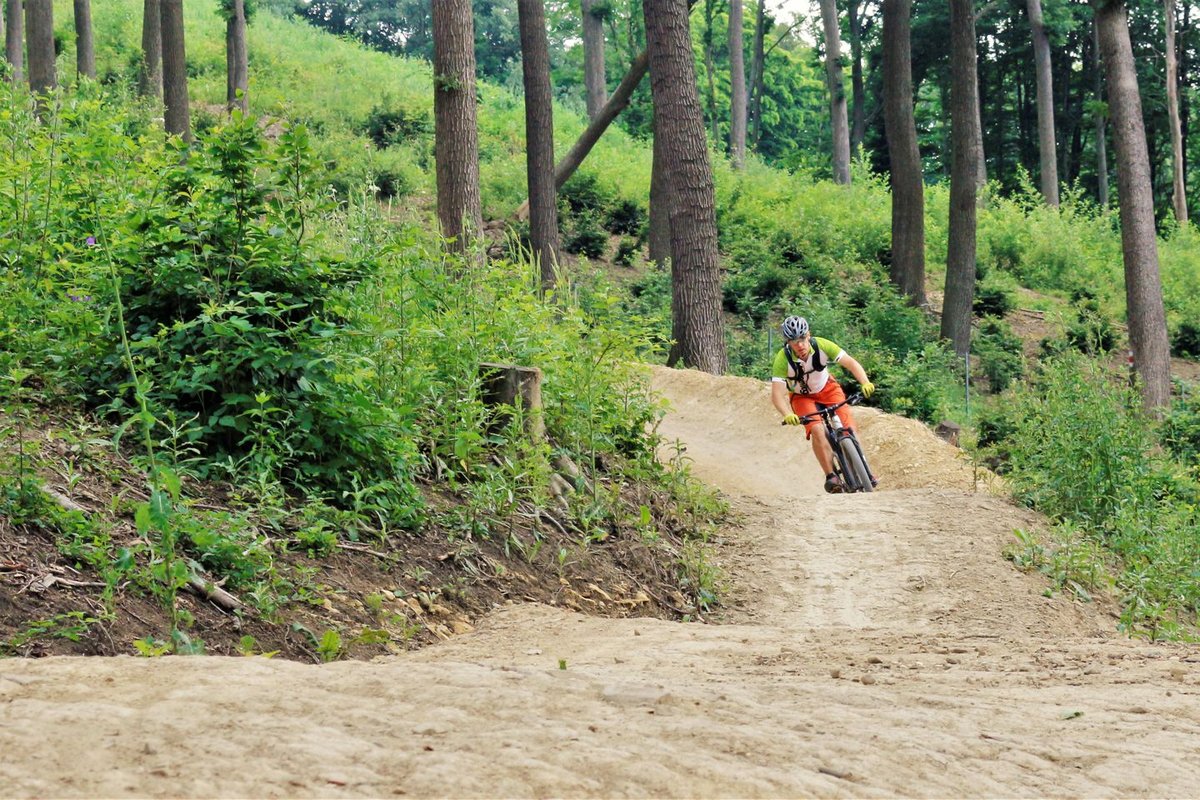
x: 821, y: 448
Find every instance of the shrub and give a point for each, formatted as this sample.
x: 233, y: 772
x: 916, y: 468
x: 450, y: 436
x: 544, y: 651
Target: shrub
x: 626, y: 217
x: 1000, y: 353
x: 585, y: 236
x: 583, y: 192
x: 1186, y: 341
x: 1180, y: 431
x: 992, y: 301
x: 628, y: 251
x: 386, y: 126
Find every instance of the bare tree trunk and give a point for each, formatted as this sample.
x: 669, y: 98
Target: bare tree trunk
x: 1178, y: 196
x: 858, y: 127
x: 660, y: 203
x: 85, y: 46
x: 1101, y: 123
x: 150, y: 78
x: 594, y: 79
x: 174, y: 65
x: 710, y: 71
x: 539, y: 139
x: 837, y: 92
x: 456, y: 138
x: 757, y: 57
x: 1143, y: 285
x: 1047, y: 147
x: 237, y: 61
x: 39, y: 35
x: 14, y: 40
x: 908, y: 191
x: 695, y: 264
x: 964, y: 117
x: 737, y: 80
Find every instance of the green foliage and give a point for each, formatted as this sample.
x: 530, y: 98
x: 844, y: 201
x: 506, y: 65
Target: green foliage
x: 992, y: 301
x: 1000, y: 353
x: 1185, y: 343
x: 1180, y: 431
x: 584, y: 235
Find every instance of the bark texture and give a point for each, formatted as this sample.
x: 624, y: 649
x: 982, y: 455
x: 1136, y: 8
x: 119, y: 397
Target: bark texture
x: 695, y: 266
x: 1047, y: 148
x: 1178, y: 195
x: 737, y: 81
x: 39, y: 42
x: 150, y: 78
x: 1101, y: 125
x: 837, y: 92
x: 594, y: 79
x: 539, y: 139
x: 964, y: 143
x: 456, y: 139
x: 757, y: 58
x: 660, y: 204
x: 858, y: 113
x: 177, y: 118
x: 1143, y: 285
x: 85, y: 43
x: 237, y: 58
x: 908, y: 195
x: 14, y: 39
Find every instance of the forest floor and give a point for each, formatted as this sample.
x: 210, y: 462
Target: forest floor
x: 870, y: 646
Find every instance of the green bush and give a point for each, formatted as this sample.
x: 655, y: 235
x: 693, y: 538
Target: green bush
x: 585, y: 235
x: 1186, y: 341
x: 1000, y: 353
x: 387, y: 125
x: 992, y: 301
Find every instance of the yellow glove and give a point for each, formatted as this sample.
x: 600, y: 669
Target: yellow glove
x: 791, y: 419
x: 868, y: 388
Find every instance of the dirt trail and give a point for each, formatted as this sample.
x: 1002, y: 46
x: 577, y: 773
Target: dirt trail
x: 874, y: 646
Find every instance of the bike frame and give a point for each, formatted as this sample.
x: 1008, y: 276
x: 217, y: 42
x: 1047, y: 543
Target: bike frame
x: 838, y: 436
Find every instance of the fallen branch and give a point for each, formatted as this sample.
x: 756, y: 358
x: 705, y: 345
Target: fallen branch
x: 63, y: 501
x: 214, y: 594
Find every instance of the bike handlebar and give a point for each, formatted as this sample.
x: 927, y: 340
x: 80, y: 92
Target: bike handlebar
x: 852, y: 400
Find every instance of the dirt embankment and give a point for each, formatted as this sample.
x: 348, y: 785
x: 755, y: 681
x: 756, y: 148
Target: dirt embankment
x: 873, y: 646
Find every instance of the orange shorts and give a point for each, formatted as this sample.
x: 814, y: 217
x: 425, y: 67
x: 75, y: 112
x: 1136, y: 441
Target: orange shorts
x: 831, y: 394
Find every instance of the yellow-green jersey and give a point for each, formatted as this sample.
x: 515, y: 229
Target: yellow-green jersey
x: 810, y: 374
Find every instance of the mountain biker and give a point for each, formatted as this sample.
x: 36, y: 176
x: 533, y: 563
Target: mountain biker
x: 800, y: 379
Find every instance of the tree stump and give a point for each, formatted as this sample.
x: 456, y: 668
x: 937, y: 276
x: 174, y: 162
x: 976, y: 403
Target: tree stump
x: 949, y: 431
x: 516, y: 387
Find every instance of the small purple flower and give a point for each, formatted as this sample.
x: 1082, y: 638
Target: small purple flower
x: 91, y: 240
x: 80, y: 298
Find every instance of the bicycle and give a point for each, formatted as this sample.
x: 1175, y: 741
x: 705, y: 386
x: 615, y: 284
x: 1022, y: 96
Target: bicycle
x: 849, y: 462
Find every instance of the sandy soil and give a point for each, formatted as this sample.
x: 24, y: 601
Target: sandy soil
x: 872, y: 646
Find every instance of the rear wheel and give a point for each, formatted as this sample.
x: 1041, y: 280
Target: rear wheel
x: 857, y: 477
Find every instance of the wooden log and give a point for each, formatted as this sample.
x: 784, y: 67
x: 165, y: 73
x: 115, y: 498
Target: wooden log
x: 516, y: 387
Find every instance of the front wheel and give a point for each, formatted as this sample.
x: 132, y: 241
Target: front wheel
x: 855, y: 468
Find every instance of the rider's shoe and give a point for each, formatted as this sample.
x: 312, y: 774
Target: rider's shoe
x: 833, y: 484
x: 874, y: 482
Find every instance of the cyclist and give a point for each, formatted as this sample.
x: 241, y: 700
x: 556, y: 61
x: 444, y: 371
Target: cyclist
x: 800, y: 379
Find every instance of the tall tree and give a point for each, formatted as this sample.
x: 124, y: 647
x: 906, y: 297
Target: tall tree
x: 964, y: 146
x: 710, y: 69
x: 456, y: 138
x: 837, y: 92
x: 539, y: 139
x: 237, y: 57
x: 39, y: 41
x: 85, y: 45
x: 659, y: 233
x: 737, y: 81
x: 1047, y: 150
x: 1178, y: 196
x: 757, y: 58
x: 14, y: 39
x: 177, y: 118
x: 858, y: 114
x: 594, y: 80
x: 150, y: 77
x: 908, y: 190
x: 695, y: 265
x: 1143, y: 285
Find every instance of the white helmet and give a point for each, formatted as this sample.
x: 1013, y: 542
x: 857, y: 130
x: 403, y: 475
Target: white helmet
x: 794, y: 328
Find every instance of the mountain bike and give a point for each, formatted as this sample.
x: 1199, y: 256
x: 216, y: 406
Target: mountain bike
x: 849, y: 462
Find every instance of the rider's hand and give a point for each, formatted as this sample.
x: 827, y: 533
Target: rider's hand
x: 868, y: 388
x: 791, y: 419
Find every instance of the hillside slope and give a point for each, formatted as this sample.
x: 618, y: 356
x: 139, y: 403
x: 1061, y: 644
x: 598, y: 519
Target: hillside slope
x: 874, y: 646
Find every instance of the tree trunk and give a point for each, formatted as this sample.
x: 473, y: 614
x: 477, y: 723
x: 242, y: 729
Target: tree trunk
x: 757, y: 57
x: 85, y: 45
x: 1101, y: 124
x: 39, y: 41
x: 587, y: 140
x: 710, y: 71
x: 594, y: 78
x: 1047, y: 149
x: 14, y: 40
x: 456, y: 139
x: 1143, y: 286
x: 837, y: 92
x: 1178, y: 197
x: 539, y: 139
x: 695, y: 266
x: 858, y: 127
x: 964, y: 117
x: 150, y: 78
x: 737, y: 80
x: 660, y: 203
x: 174, y: 65
x: 908, y: 196
x: 237, y: 62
